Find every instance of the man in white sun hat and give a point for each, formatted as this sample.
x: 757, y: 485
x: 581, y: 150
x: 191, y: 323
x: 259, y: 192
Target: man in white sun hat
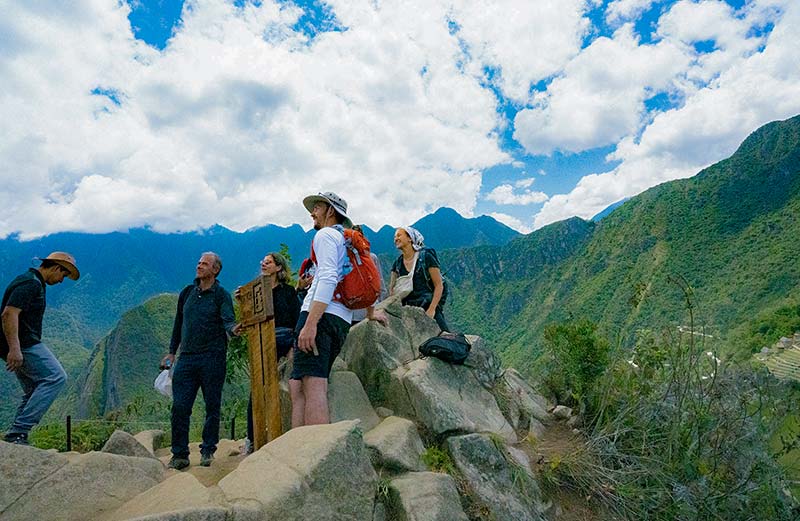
x: 39, y: 372
x: 324, y: 321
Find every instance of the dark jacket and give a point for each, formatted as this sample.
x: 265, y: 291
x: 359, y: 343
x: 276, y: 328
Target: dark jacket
x: 203, y: 321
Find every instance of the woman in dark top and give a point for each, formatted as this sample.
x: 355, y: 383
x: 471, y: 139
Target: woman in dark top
x: 428, y: 285
x: 287, y: 310
x: 284, y: 301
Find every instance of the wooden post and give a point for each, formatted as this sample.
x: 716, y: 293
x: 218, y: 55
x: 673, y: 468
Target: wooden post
x: 69, y: 433
x: 258, y: 317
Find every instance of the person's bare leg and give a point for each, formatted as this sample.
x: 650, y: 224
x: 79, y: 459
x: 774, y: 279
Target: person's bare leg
x: 315, y: 390
x: 298, y: 403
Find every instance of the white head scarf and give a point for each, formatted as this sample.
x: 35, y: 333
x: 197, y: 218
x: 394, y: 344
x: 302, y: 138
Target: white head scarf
x: 417, y: 240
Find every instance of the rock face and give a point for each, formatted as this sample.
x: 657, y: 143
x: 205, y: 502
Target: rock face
x: 424, y: 496
x: 21, y: 468
x: 319, y: 472
x: 323, y: 472
x: 374, y: 352
x: 348, y: 401
x: 447, y: 398
x: 84, y: 487
x: 395, y: 445
x: 506, y: 489
x: 180, y: 492
x: 524, y: 408
x: 125, y: 444
x: 443, y: 397
x: 151, y: 440
x: 484, y: 363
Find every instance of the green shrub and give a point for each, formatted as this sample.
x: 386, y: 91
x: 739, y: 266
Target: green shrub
x: 438, y: 460
x: 575, y: 356
x: 86, y: 436
x: 679, y: 434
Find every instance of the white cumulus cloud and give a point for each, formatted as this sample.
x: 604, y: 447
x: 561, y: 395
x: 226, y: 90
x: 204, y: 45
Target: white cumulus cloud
x: 511, y: 222
x: 758, y: 88
x: 506, y: 194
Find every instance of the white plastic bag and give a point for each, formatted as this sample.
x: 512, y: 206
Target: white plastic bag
x: 163, y: 383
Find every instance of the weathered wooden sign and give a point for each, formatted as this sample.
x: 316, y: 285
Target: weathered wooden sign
x: 257, y: 314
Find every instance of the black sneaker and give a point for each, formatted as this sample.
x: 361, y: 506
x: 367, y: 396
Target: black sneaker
x: 18, y: 438
x: 178, y: 463
x: 206, y: 459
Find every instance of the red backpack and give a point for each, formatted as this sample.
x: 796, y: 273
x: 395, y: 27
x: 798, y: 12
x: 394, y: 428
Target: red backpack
x: 361, y: 284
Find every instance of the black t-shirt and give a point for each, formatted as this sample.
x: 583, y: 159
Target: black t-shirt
x: 27, y: 293
x: 422, y: 292
x: 286, y: 304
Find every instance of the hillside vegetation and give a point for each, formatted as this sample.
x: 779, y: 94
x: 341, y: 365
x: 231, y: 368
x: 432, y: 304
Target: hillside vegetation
x: 729, y: 232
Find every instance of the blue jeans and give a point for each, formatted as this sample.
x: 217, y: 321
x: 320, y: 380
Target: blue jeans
x: 42, y: 378
x: 195, y: 371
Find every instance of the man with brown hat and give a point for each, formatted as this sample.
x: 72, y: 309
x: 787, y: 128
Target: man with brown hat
x: 39, y: 372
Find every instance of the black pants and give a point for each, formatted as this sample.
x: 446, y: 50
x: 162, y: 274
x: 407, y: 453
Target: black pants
x: 193, y: 371
x: 424, y: 301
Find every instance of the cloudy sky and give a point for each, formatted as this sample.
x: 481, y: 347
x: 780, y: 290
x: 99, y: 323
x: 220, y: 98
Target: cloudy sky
x: 181, y: 114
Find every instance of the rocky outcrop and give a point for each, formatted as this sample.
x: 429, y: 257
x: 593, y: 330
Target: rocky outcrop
x: 348, y: 401
x: 524, y: 408
x: 181, y: 493
x: 448, y: 399
x: 375, y: 352
x: 319, y: 472
x: 507, y: 489
x: 474, y: 411
x: 151, y: 440
x: 395, y: 445
x: 125, y: 444
x: 444, y: 398
x: 78, y: 488
x: 424, y: 496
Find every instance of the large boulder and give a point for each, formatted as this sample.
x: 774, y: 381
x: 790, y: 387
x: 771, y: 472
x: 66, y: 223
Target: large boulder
x: 21, y: 468
x: 503, y: 486
x: 524, y: 408
x: 125, y: 444
x: 180, y: 492
x: 348, y: 401
x: 447, y: 398
x: 485, y: 364
x: 424, y: 496
x: 152, y: 440
x: 319, y: 472
x: 88, y: 486
x: 395, y: 445
x: 374, y: 351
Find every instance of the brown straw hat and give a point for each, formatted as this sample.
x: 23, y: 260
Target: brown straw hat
x: 66, y: 261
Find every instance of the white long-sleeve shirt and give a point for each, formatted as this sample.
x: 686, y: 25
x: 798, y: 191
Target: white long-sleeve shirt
x: 329, y: 251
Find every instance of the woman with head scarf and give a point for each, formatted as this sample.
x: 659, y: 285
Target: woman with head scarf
x: 417, y: 273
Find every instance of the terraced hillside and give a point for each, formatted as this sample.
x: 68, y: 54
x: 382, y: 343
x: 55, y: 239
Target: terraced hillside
x: 783, y: 359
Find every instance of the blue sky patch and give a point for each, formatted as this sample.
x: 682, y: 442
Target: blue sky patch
x: 112, y: 94
x: 153, y: 21
x: 705, y: 46
x: 318, y: 17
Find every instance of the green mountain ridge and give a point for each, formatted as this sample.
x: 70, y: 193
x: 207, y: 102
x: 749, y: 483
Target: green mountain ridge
x: 728, y: 231
x: 124, y: 364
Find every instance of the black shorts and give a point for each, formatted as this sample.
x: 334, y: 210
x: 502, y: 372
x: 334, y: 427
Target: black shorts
x: 331, y: 334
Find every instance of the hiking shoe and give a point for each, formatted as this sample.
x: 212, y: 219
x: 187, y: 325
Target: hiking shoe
x: 206, y: 459
x: 178, y: 463
x: 18, y: 438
